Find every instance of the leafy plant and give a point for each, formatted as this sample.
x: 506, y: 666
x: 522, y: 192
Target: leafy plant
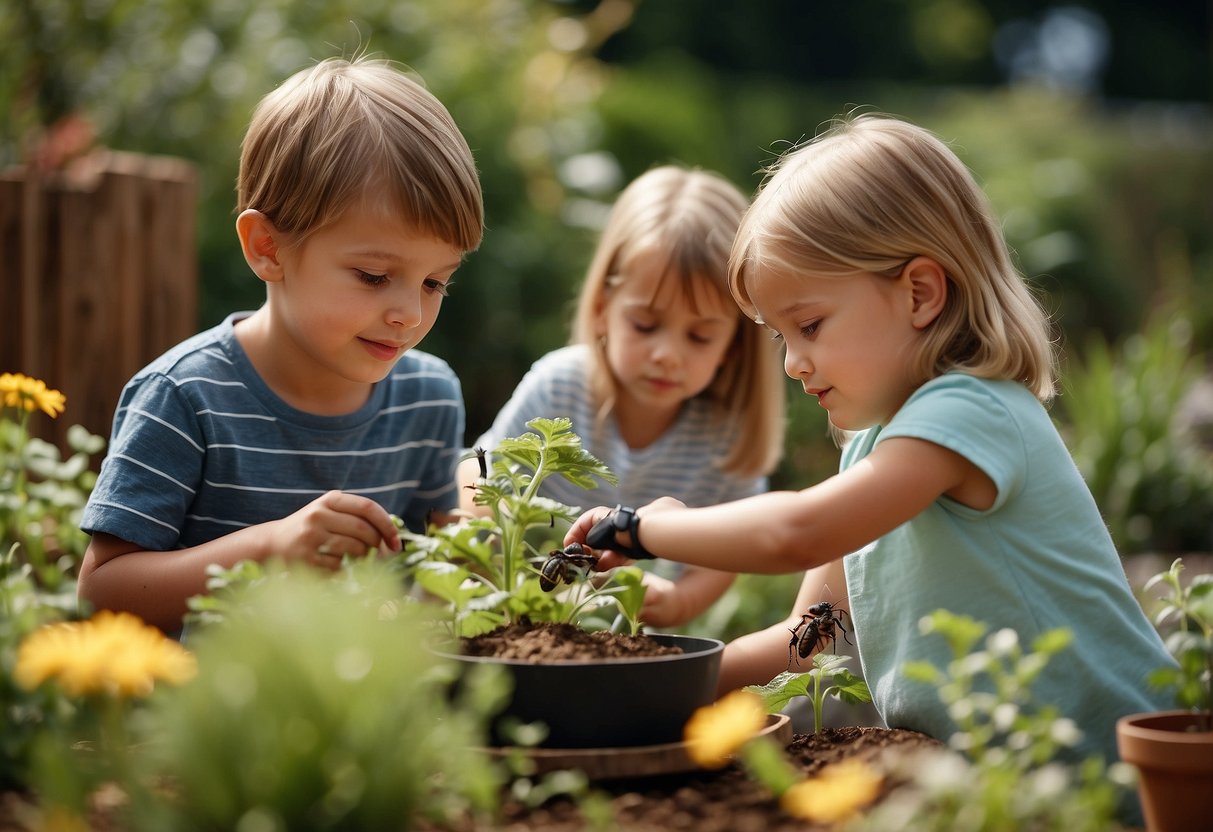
x: 318, y: 706
x: 42, y: 495
x: 827, y: 678
x: 1188, y: 612
x: 1152, y: 483
x: 487, y: 569
x: 1000, y: 772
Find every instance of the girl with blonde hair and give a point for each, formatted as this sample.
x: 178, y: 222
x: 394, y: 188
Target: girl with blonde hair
x: 665, y: 380
x: 873, y: 256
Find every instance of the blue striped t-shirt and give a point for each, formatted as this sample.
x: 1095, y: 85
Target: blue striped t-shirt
x: 202, y: 447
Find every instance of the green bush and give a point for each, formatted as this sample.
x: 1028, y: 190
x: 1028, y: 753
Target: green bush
x: 318, y: 706
x: 1153, y: 484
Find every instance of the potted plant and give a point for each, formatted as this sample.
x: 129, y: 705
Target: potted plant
x: 500, y: 581
x: 1173, y: 750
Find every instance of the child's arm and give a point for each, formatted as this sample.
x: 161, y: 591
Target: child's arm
x: 671, y: 603
x: 757, y: 658
x: 155, y: 585
x: 787, y: 531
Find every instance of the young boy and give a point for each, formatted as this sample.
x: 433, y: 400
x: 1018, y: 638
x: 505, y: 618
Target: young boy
x: 296, y: 430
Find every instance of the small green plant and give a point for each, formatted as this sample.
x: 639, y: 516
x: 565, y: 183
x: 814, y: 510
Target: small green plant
x: 1188, y: 614
x: 488, y: 570
x: 317, y: 706
x: 25, y: 714
x: 42, y: 495
x: 1000, y: 772
x: 827, y: 678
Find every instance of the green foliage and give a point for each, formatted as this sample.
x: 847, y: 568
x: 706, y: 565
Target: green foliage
x: 26, y: 715
x: 42, y: 497
x: 487, y: 570
x: 1004, y: 777
x: 318, y: 706
x: 827, y: 678
x: 1186, y: 615
x: 1153, y: 484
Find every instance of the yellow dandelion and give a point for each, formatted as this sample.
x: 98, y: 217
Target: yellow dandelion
x: 836, y: 794
x: 716, y: 731
x: 113, y: 653
x: 21, y: 391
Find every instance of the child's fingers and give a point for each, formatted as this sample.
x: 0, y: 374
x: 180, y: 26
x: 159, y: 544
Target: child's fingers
x: 362, y: 519
x: 582, y: 525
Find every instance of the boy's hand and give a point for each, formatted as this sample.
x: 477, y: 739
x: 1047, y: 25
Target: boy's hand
x: 332, y: 526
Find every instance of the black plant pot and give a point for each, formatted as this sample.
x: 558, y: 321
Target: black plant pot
x: 612, y: 703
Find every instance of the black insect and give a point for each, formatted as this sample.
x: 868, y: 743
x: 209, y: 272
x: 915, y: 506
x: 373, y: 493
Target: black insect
x: 561, y: 565
x: 817, y: 627
x: 482, y: 458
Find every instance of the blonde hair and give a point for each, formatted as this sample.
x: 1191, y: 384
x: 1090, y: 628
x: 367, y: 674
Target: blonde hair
x: 690, y: 216
x: 348, y: 131
x: 873, y: 192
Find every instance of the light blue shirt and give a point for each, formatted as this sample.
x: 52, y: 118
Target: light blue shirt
x: 1039, y: 558
x: 202, y: 447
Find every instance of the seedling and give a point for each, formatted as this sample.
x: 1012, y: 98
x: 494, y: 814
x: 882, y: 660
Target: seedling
x: 1190, y: 612
x: 490, y: 571
x: 827, y: 678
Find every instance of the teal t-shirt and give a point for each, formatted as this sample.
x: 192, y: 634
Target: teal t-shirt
x: 1039, y: 558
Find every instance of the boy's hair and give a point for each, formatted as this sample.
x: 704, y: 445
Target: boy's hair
x: 689, y: 216
x: 873, y: 192
x: 359, y: 132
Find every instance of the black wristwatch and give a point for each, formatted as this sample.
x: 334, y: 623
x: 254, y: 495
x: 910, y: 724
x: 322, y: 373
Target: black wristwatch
x: 604, y: 534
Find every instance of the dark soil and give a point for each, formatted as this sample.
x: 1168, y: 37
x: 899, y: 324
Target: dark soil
x: 723, y: 801
x: 551, y: 642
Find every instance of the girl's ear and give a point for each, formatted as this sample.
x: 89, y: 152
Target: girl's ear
x: 928, y: 290
x: 259, y: 240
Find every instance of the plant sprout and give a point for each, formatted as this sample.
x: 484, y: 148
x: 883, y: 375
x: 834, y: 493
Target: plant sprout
x: 1190, y: 610
x: 827, y: 678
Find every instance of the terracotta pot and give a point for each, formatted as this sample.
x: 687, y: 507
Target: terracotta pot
x: 1175, y: 762
x: 612, y: 703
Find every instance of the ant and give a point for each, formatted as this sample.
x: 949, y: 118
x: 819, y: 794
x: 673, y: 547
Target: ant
x: 560, y: 565
x: 816, y: 627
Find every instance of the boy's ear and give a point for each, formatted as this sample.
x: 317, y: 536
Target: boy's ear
x: 928, y: 285
x: 259, y: 240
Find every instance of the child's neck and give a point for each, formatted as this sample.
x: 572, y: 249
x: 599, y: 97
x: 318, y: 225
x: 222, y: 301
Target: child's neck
x: 640, y: 426
x: 317, y: 393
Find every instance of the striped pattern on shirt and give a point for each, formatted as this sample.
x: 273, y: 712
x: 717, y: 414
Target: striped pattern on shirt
x: 202, y: 447
x: 684, y: 462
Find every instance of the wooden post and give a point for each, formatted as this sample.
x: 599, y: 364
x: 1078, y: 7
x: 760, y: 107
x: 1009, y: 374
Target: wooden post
x: 99, y: 269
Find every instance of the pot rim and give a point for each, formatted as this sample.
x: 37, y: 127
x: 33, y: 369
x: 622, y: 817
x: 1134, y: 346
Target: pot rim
x: 1146, y: 726
x: 712, y: 647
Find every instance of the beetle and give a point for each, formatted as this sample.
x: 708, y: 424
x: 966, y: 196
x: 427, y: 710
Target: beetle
x: 817, y: 626
x: 561, y: 563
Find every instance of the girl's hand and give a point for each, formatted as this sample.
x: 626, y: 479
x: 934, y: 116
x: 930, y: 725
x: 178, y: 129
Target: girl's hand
x: 332, y: 526
x: 663, y: 605
x: 610, y: 558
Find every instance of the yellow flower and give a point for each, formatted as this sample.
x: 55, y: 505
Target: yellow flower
x: 21, y: 391
x: 114, y: 653
x: 716, y: 731
x: 836, y: 794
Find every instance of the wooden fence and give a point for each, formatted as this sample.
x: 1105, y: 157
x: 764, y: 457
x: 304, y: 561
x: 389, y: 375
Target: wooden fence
x: 98, y: 266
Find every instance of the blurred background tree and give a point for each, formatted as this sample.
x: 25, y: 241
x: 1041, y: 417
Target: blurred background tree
x: 1088, y: 123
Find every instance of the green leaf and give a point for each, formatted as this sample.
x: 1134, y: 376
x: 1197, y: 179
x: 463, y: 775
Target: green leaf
x: 781, y: 690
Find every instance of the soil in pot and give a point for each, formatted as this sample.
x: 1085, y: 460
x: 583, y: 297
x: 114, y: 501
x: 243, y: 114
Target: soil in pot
x: 598, y: 690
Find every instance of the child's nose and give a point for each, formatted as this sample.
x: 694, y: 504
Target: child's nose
x: 796, y: 363
x: 405, y: 309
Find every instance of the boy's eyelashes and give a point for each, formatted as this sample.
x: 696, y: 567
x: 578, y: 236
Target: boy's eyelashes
x: 430, y: 284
